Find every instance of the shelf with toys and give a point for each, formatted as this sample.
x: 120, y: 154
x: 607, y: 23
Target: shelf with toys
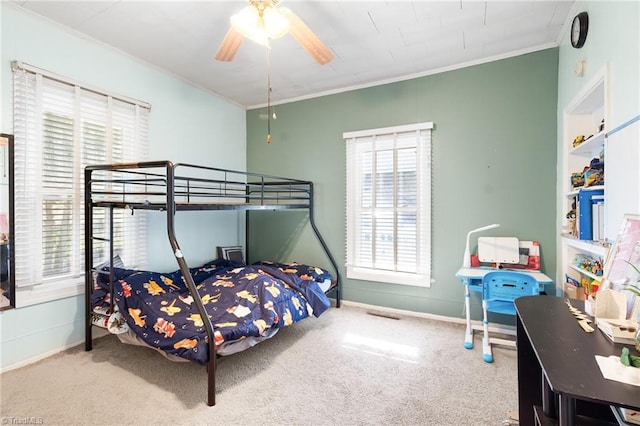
x: 583, y: 200
x: 588, y: 265
x: 585, y: 272
x: 592, y: 146
x: 584, y: 269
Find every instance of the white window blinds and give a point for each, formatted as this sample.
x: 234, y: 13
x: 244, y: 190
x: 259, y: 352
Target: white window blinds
x: 61, y: 127
x: 389, y: 204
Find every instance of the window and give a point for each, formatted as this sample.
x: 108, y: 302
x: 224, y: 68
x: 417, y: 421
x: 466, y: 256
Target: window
x: 61, y: 127
x: 389, y: 204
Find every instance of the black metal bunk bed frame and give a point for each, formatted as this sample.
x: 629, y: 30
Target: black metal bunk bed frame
x: 155, y: 186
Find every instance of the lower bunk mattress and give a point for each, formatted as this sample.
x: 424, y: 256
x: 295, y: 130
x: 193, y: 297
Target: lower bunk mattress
x: 245, y: 303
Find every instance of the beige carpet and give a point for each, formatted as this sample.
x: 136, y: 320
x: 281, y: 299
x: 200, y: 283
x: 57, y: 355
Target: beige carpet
x: 344, y: 368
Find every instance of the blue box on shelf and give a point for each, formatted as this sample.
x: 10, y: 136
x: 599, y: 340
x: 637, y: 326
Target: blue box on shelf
x: 585, y: 219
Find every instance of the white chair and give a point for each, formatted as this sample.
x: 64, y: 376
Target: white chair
x: 499, y: 291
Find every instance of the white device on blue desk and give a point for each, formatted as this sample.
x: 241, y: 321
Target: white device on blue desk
x: 497, y: 251
x: 466, y: 260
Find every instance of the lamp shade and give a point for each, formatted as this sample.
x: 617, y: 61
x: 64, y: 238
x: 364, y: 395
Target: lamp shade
x: 260, y: 26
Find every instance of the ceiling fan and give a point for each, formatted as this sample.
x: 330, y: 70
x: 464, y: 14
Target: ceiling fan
x: 262, y: 21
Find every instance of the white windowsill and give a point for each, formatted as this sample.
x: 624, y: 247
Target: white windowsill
x: 401, y: 278
x: 48, y: 292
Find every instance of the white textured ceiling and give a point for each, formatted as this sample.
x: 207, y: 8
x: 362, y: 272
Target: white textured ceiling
x: 373, y: 41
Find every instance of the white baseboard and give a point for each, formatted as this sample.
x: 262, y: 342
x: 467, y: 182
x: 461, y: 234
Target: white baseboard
x: 96, y: 334
x: 477, y: 325
x: 39, y: 357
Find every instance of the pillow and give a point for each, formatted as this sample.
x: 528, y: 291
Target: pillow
x: 100, y: 295
x: 306, y: 272
x: 104, y: 267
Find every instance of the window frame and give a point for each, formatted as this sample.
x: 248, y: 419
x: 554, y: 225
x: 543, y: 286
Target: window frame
x: 354, y: 140
x: 115, y: 115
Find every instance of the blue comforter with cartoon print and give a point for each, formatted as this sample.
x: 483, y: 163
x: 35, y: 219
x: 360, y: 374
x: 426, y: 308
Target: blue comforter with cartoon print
x: 241, y: 301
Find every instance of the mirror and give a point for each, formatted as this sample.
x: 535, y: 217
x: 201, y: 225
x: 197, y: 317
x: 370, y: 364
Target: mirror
x: 7, y: 267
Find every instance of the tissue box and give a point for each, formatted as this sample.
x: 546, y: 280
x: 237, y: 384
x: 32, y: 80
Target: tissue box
x: 610, y: 304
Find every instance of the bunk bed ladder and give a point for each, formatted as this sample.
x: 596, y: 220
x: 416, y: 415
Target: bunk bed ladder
x: 89, y: 239
x: 88, y: 259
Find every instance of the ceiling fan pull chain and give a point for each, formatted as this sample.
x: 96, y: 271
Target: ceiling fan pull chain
x: 268, y: 93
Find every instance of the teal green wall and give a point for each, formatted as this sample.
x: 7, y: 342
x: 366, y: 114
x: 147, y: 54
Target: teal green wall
x: 494, y: 161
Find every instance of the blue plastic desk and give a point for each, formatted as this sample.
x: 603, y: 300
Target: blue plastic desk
x: 471, y: 278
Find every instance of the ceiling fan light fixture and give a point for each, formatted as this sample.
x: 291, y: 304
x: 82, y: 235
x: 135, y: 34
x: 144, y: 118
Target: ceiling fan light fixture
x: 260, y: 25
x: 263, y: 20
x: 276, y: 24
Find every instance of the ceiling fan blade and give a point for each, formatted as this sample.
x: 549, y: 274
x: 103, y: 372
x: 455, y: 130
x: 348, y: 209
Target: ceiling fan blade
x: 229, y: 45
x: 307, y: 39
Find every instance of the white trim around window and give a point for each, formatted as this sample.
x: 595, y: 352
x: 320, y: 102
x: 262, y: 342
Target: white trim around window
x: 388, y: 236
x: 60, y: 127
